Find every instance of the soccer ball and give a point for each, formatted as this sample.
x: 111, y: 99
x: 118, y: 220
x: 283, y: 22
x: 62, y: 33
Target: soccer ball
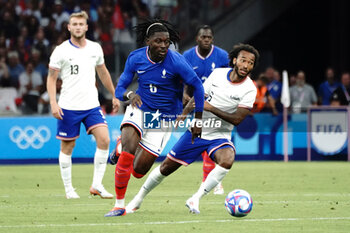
x: 238, y: 203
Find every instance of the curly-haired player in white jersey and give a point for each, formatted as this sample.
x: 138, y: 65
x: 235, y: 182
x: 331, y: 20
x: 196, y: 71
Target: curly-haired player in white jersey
x: 230, y: 96
x: 77, y: 60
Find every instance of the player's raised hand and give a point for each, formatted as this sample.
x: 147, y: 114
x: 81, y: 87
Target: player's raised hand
x: 115, y: 104
x: 135, y: 100
x: 57, y: 111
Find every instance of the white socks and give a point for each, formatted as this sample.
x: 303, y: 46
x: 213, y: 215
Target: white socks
x: 100, y: 163
x: 119, y: 203
x: 65, y: 162
x: 152, y: 181
x: 154, y: 178
x: 214, y: 177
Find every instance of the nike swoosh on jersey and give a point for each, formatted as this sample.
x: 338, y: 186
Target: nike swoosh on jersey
x: 214, y: 85
x: 195, y: 67
x: 141, y: 71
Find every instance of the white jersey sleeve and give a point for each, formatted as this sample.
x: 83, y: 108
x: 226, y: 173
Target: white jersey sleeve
x: 100, y: 59
x: 56, y: 59
x: 248, y: 100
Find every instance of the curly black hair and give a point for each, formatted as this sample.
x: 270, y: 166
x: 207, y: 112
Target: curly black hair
x: 246, y: 47
x: 150, y: 26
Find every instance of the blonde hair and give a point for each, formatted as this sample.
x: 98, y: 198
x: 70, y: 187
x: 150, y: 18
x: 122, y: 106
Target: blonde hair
x: 81, y: 14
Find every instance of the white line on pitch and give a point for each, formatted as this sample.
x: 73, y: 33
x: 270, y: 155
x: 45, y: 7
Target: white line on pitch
x: 176, y: 222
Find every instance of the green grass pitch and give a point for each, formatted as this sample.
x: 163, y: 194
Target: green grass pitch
x: 287, y: 197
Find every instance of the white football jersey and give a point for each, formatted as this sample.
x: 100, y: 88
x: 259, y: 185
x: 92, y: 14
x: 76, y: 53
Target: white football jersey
x: 77, y: 71
x: 226, y: 96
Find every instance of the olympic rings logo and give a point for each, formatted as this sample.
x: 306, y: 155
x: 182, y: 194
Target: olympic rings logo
x: 30, y: 136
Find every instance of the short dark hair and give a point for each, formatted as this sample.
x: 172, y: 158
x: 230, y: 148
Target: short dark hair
x: 246, y: 47
x: 204, y: 27
x: 150, y: 26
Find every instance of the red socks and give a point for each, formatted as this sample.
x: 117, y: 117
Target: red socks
x: 122, y: 173
x: 208, y: 165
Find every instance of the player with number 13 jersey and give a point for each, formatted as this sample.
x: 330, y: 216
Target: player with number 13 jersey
x: 77, y: 71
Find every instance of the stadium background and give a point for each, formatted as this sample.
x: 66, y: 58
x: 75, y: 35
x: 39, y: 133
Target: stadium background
x: 291, y: 35
x: 288, y: 197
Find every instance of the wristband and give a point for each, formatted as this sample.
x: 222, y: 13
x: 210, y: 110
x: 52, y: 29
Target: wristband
x: 128, y: 94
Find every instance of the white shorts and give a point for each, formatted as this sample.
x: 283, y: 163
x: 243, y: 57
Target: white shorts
x: 152, y: 140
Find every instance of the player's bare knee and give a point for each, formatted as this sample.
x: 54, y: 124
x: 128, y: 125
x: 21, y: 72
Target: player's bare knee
x: 103, y: 142
x: 129, y: 147
x: 138, y: 174
x: 130, y: 139
x: 130, y: 143
x: 168, y: 166
x: 67, y: 146
x: 139, y: 170
x: 226, y: 160
x: 164, y: 169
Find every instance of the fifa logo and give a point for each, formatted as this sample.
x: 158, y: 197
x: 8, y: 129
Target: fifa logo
x: 30, y: 136
x: 151, y: 120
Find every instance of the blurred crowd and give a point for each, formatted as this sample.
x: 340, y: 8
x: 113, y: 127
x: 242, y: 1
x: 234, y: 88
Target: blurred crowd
x: 333, y: 91
x: 30, y: 30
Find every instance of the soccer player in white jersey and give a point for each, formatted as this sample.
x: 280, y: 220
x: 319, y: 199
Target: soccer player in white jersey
x: 230, y: 96
x: 204, y: 58
x: 76, y: 60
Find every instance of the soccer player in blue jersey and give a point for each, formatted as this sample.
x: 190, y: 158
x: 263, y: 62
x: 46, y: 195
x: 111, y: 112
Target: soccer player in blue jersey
x: 231, y: 94
x: 161, y: 76
x: 204, y: 58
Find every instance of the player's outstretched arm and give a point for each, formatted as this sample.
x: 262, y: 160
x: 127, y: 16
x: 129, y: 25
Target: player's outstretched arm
x: 106, y: 80
x: 234, y: 118
x: 51, y: 90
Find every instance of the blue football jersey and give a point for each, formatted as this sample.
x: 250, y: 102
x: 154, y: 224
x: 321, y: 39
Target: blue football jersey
x: 160, y: 84
x: 203, y: 66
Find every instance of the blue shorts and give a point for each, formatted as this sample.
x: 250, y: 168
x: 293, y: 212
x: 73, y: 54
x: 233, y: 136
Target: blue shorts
x: 69, y: 127
x: 185, y: 153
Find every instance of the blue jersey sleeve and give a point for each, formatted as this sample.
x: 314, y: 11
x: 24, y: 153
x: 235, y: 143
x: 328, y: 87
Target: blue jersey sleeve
x: 190, y: 78
x: 198, y: 95
x: 125, y: 79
